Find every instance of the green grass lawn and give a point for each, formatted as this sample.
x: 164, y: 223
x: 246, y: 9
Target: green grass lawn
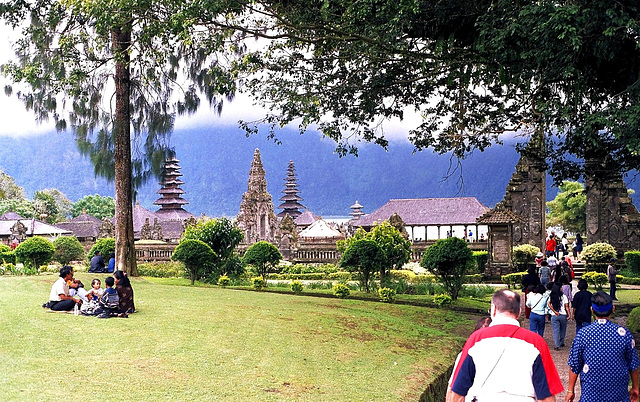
x: 208, y: 343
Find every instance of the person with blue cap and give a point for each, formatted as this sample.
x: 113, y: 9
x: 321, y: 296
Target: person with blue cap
x: 604, y: 355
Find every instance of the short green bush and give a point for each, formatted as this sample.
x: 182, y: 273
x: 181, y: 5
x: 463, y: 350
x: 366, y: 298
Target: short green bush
x: 297, y: 287
x: 524, y: 254
x: 258, y: 283
x: 631, y: 262
x: 7, y: 257
x: 341, y: 290
x: 442, y: 299
x: 167, y: 269
x: 224, y: 280
x: 340, y: 276
x: 514, y: 279
x: 627, y: 280
x: 633, y: 320
x: 597, y: 256
x: 307, y: 277
x: 596, y: 279
x: 480, y: 259
x: 402, y: 274
x: 387, y: 295
x: 34, y: 252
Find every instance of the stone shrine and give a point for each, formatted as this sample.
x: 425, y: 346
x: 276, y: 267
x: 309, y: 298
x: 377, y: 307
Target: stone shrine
x: 611, y: 216
x: 256, y: 217
x: 526, y: 195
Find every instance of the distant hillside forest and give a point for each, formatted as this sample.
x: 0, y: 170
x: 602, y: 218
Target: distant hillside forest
x: 215, y: 166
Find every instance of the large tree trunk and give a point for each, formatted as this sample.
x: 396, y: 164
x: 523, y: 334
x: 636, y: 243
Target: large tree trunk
x: 125, y: 249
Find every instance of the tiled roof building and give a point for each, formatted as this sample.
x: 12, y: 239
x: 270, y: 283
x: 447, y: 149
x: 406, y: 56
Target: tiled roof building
x: 431, y: 218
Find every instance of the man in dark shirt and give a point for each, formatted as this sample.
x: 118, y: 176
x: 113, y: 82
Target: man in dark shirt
x: 97, y: 263
x: 582, y: 305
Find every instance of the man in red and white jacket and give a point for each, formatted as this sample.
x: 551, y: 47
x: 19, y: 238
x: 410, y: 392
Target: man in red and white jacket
x: 505, y: 362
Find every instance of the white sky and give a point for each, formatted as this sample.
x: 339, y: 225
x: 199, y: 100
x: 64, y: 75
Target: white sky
x: 17, y: 122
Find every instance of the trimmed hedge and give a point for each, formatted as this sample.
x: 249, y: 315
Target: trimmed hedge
x: 514, y: 279
x: 633, y: 320
x: 632, y: 261
x: 7, y: 257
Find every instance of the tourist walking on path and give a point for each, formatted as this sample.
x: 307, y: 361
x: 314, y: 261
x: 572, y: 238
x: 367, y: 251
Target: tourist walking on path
x: 537, y: 302
x: 564, y: 244
x: 579, y: 246
x: 529, y: 283
x: 604, y: 355
x: 611, y: 274
x: 551, y: 245
x: 505, y: 362
x: 582, y: 305
x: 560, y: 313
x: 539, y: 259
x: 545, y: 273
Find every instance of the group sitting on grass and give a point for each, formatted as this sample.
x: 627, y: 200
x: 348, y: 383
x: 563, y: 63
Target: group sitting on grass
x: 68, y: 293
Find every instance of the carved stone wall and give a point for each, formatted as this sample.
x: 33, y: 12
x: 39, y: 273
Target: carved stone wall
x: 526, y: 195
x: 611, y: 216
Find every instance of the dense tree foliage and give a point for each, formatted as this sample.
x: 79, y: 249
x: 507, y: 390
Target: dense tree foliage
x: 263, y: 256
x: 63, y: 205
x: 569, y: 208
x: 95, y: 205
x: 472, y: 69
x: 395, y: 247
x: 221, y: 234
x: 9, y: 189
x: 447, y: 259
x: 196, y: 256
x: 106, y: 69
x: 363, y: 256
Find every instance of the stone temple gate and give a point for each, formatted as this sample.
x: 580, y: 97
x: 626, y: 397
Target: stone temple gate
x: 611, y: 216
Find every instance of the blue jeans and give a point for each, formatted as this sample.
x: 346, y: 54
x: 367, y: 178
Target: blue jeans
x: 536, y: 323
x: 559, y: 326
x: 581, y: 324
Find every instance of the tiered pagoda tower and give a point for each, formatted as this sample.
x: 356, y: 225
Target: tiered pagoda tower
x: 256, y: 217
x: 171, y: 201
x: 356, y: 211
x: 291, y: 204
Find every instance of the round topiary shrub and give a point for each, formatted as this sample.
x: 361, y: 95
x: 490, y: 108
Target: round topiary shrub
x: 297, y: 287
x: 633, y: 321
x: 341, y: 290
x: 34, y: 252
x: 387, y: 295
x: 68, y: 248
x: 597, y: 256
x: 224, y: 281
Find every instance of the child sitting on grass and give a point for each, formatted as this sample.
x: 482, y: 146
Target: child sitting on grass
x: 109, y: 301
x: 93, y: 295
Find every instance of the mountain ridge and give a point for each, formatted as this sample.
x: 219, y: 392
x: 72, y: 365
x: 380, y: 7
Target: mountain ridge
x: 215, y: 166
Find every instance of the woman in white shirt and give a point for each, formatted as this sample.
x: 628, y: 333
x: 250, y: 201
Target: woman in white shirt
x: 537, y: 301
x: 560, y: 313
